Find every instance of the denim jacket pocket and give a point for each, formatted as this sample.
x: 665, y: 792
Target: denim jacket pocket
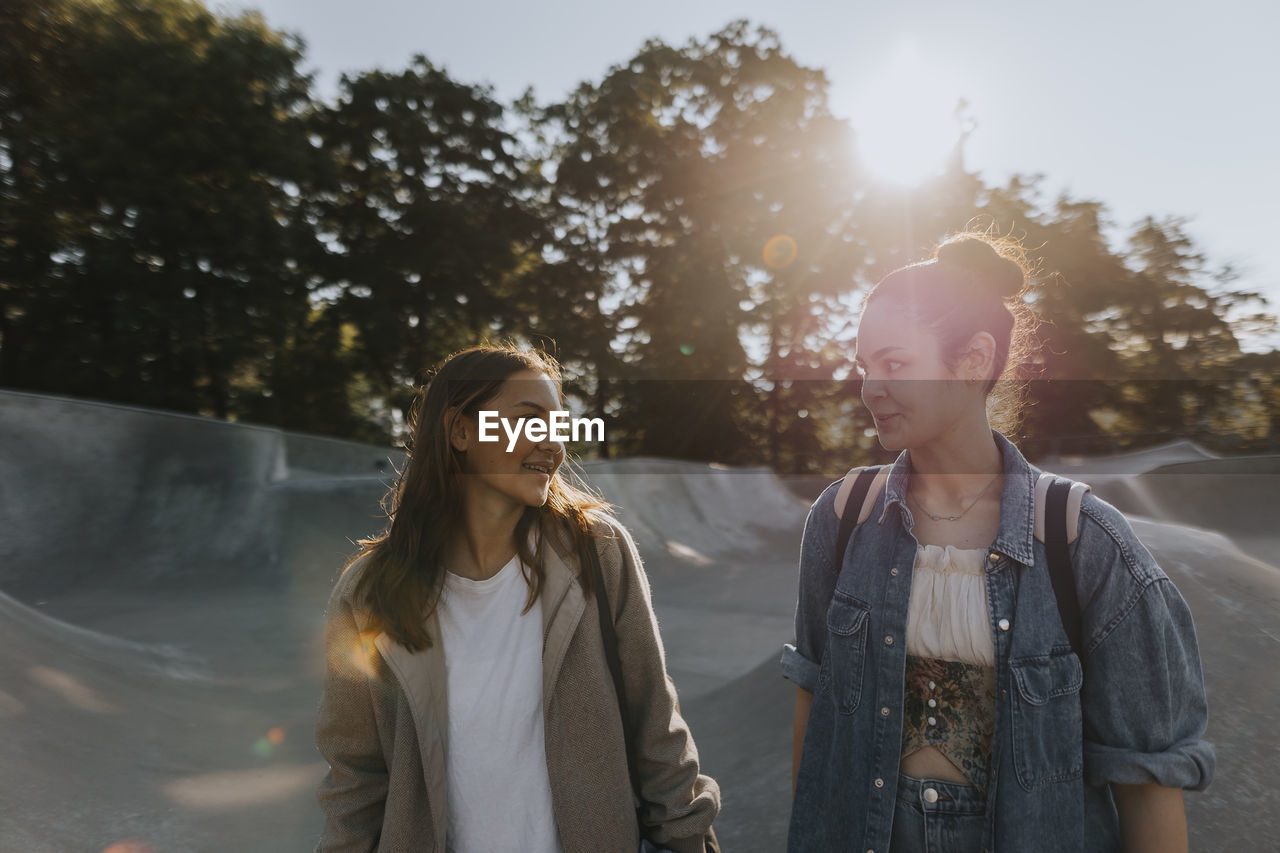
x: 842, y: 664
x: 1048, y: 733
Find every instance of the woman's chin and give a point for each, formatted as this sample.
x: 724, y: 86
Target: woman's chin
x: 891, y: 439
x: 537, y: 497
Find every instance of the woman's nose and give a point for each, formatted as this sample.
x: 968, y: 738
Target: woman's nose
x: 551, y: 444
x: 872, y: 388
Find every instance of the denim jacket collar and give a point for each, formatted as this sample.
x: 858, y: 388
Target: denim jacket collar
x: 1017, y: 503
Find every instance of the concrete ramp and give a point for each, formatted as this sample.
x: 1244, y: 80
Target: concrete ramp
x: 109, y: 741
x: 720, y: 546
x: 1239, y: 497
x: 693, y: 511
x: 163, y: 581
x: 1130, y: 462
x: 126, y: 496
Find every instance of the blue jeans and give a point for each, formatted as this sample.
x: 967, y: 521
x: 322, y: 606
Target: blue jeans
x: 932, y: 816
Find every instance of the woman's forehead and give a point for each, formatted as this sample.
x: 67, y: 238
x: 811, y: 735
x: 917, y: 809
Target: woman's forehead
x: 531, y: 386
x: 887, y: 324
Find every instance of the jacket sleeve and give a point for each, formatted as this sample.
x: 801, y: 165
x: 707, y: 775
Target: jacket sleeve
x: 353, y: 792
x: 802, y: 658
x: 1144, y: 703
x: 678, y: 803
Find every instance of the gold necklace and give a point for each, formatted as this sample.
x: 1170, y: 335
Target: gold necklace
x: 937, y: 517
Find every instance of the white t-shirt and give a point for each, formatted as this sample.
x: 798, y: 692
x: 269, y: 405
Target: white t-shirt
x: 499, y: 788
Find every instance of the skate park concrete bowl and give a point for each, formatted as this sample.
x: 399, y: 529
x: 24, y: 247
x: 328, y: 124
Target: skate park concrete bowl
x: 163, y: 580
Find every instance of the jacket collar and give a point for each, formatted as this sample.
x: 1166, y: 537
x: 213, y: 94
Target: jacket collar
x: 562, y: 605
x: 1017, y: 503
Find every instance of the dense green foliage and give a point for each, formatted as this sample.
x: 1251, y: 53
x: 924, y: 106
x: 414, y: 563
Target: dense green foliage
x: 184, y: 224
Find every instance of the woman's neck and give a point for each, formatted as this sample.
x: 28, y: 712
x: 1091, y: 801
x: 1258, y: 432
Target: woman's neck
x: 958, y: 463
x: 487, y: 539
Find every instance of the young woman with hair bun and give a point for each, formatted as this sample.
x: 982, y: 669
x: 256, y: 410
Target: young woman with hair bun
x: 942, y: 702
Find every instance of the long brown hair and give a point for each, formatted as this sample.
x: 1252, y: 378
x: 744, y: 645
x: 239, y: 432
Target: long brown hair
x: 400, y: 585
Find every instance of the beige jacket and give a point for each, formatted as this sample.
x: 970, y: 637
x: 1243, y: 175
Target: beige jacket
x: 383, y: 725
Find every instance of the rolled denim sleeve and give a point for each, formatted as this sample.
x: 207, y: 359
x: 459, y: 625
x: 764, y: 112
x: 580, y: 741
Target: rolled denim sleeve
x: 1144, y: 703
x: 802, y: 657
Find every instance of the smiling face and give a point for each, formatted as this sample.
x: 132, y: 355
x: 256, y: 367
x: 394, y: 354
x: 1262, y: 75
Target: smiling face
x: 520, y: 476
x: 914, y: 396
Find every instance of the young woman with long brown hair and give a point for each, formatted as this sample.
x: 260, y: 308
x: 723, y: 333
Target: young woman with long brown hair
x: 468, y: 701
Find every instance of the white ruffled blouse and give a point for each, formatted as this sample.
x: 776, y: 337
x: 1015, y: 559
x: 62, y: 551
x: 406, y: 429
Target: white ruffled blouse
x: 948, y: 616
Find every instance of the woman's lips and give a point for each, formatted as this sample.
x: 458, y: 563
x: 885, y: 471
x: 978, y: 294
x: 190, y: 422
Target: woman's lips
x: 887, y: 420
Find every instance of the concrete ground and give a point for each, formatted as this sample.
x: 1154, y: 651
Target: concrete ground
x: 163, y: 582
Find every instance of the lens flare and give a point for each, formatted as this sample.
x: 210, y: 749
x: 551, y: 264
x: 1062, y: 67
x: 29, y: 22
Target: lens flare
x: 780, y: 252
x: 129, y: 846
x: 228, y: 790
x: 11, y: 705
x: 71, y: 689
x: 362, y: 653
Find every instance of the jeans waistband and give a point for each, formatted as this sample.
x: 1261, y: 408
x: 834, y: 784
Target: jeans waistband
x: 935, y: 795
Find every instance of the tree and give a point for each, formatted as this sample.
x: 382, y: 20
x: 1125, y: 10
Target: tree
x: 428, y: 217
x: 678, y: 168
x: 153, y: 159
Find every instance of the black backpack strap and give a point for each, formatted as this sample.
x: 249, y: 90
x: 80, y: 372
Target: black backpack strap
x: 1060, y: 573
x: 852, y: 509
x: 610, y: 637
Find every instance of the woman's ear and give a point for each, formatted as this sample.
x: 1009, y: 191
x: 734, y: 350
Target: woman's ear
x: 980, y: 358
x: 459, y: 429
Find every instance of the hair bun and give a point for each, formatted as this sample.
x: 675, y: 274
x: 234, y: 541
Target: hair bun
x: 1002, y: 274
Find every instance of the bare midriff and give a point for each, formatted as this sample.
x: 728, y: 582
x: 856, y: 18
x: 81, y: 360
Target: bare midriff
x: 928, y: 762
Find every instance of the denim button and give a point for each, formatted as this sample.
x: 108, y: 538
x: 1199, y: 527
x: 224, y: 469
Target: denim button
x: 933, y: 721
x: 930, y: 795
x: 1004, y: 624
x: 993, y: 557
x: 888, y: 640
x: 894, y: 571
x: 933, y: 703
x: 884, y: 712
x: 879, y: 783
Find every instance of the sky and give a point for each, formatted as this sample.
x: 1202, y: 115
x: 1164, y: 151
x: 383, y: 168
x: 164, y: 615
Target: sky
x: 1153, y: 108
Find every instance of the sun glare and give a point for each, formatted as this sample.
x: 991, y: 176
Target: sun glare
x: 905, y: 119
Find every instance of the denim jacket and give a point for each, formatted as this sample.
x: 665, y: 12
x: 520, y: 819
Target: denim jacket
x: 1133, y: 711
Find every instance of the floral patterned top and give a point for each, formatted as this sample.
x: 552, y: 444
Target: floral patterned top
x: 951, y: 706
x: 950, y: 698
